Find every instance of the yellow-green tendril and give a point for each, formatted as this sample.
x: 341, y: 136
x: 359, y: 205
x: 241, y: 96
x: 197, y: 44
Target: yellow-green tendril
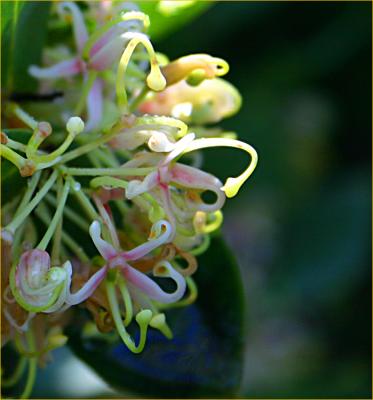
x: 57, y: 216
x: 25, y: 167
x: 16, y: 375
x: 155, y: 80
x: 200, y: 66
x: 142, y: 318
x: 127, y: 16
x: 202, y: 247
x: 200, y: 219
x: 126, y: 299
x: 232, y: 185
x: 18, y: 220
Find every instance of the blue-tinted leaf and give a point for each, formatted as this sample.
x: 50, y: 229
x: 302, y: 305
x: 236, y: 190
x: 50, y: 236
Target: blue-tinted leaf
x: 204, y: 358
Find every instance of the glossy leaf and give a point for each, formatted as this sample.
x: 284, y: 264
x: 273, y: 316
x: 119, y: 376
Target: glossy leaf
x: 9, y: 13
x: 21, y: 50
x: 205, y: 356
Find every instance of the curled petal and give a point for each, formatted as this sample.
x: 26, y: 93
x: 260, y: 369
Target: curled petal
x: 180, y: 146
x: 94, y: 106
x: 136, y: 187
x: 88, y: 288
x: 156, y: 239
x: 159, y: 142
x: 105, y: 249
x: 194, y: 178
x: 60, y: 70
x: 151, y: 289
x: 80, y: 30
x: 36, y: 286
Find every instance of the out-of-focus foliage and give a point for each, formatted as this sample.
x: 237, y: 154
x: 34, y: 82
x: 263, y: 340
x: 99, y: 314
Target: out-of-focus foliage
x: 302, y: 226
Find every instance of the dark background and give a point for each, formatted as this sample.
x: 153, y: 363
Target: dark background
x: 301, y: 225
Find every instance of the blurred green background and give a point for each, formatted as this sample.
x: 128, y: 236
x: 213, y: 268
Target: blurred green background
x: 301, y: 227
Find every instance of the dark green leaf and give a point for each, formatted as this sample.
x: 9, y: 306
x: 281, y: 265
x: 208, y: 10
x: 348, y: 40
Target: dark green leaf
x: 9, y: 12
x: 22, y: 45
x: 204, y: 358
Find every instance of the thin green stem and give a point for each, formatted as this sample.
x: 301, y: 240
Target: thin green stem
x: 92, y: 75
x: 16, y: 375
x: 32, y: 366
x: 109, y: 171
x: 70, y: 213
x: 43, y: 214
x: 17, y: 221
x: 56, y: 218
x: 115, y: 311
x: 86, y: 148
x: 126, y: 299
x: 135, y: 102
x: 32, y: 183
x: 24, y: 117
x: 56, y: 247
x: 84, y: 200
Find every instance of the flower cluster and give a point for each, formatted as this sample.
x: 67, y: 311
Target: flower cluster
x: 131, y: 185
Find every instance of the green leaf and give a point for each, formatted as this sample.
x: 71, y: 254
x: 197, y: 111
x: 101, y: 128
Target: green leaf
x: 205, y: 357
x: 165, y: 20
x: 12, y: 183
x: 22, y: 43
x: 9, y: 12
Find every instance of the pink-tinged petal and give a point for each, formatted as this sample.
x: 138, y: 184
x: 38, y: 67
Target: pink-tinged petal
x: 105, y: 249
x: 159, y: 239
x: 32, y: 267
x: 88, y: 288
x: 167, y: 206
x: 191, y: 177
x: 80, y: 30
x: 110, y: 52
x: 60, y: 70
x: 94, y: 106
x: 104, y: 40
x: 151, y: 289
